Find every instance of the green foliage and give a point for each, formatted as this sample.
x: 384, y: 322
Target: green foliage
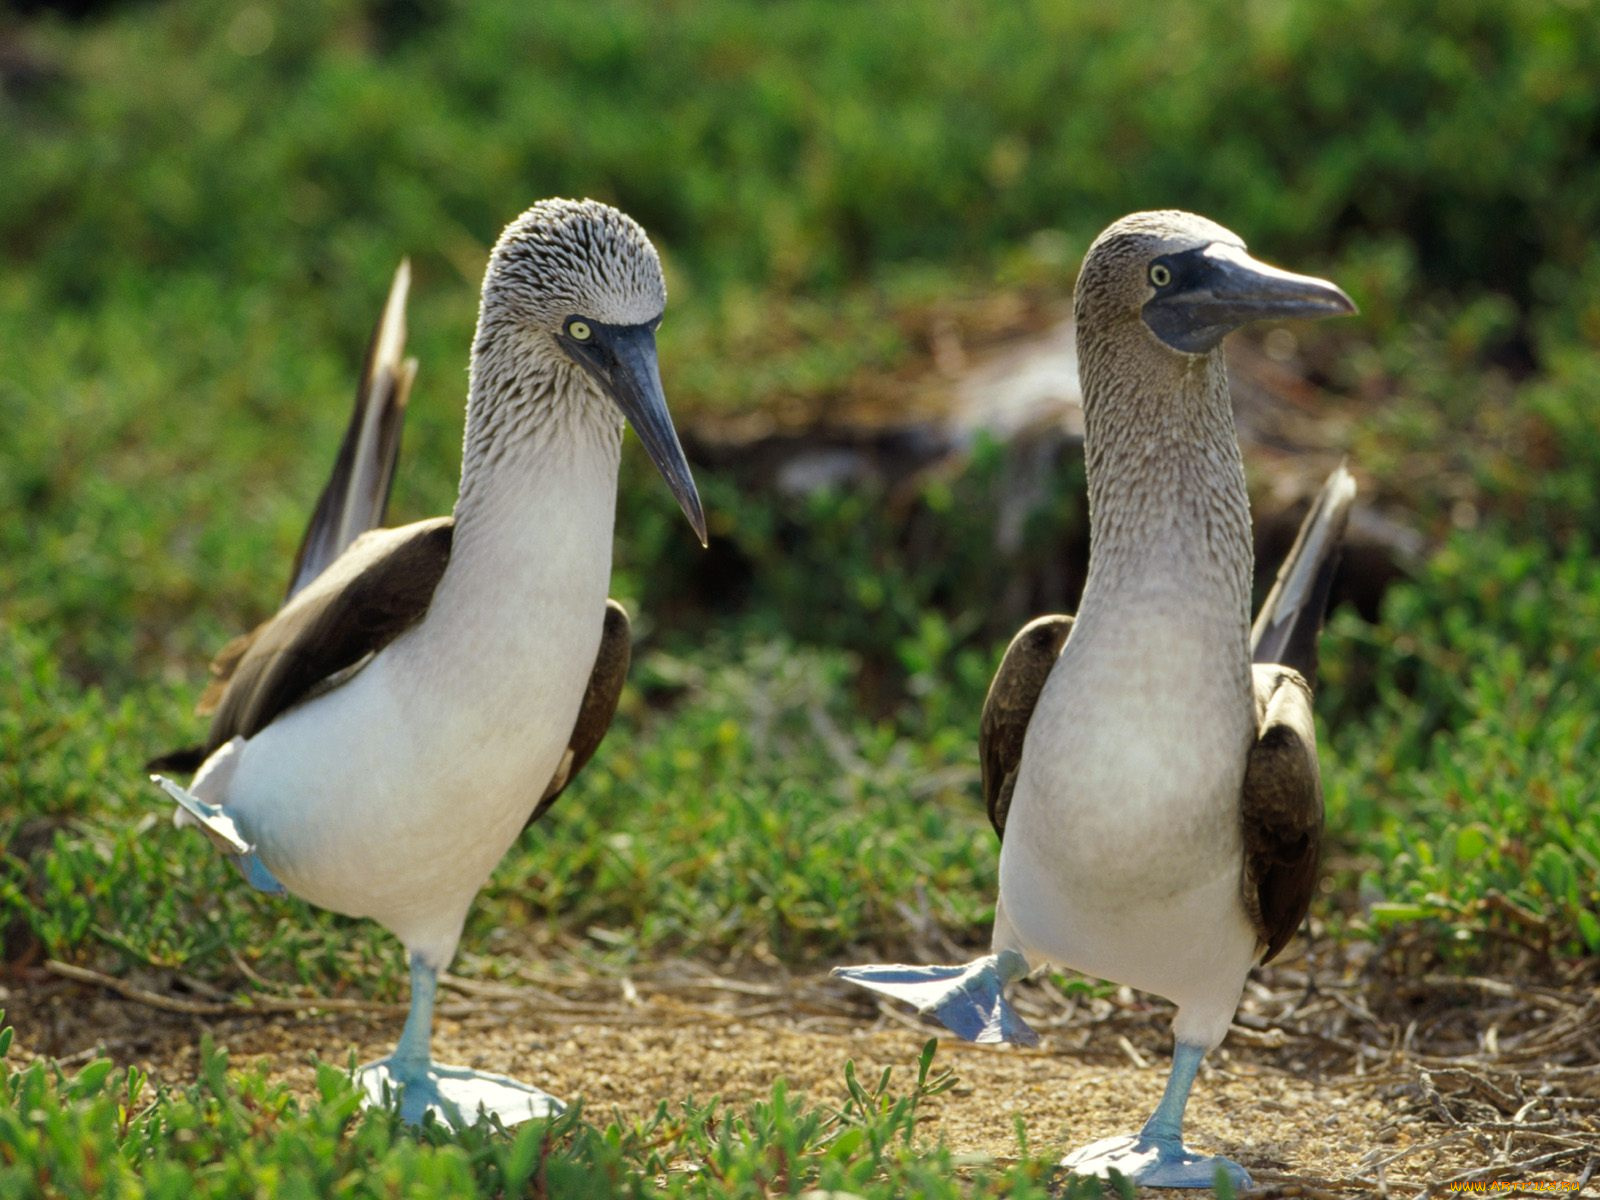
x: 201, y: 204
x: 108, y: 1132
x: 760, y: 815
x: 310, y: 143
x: 1466, y: 781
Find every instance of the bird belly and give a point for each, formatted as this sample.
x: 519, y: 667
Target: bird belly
x: 1123, y: 852
x: 394, y: 796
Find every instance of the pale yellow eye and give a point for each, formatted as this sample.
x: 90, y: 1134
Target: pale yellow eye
x: 579, y: 330
x: 1160, y: 274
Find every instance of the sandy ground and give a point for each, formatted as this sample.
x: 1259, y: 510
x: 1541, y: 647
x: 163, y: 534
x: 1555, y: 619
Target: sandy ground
x: 1309, y: 1113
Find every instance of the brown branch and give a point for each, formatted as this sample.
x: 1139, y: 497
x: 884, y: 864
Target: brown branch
x: 214, y: 1008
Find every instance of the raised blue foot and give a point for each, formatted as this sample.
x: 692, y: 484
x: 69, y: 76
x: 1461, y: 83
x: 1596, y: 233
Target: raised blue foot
x: 212, y: 819
x: 1156, y: 1155
x: 1154, y: 1162
x: 223, y: 833
x: 458, y: 1096
x: 968, y: 1000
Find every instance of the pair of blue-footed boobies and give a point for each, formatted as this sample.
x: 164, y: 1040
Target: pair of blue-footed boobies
x: 426, y: 692
x: 1150, y: 765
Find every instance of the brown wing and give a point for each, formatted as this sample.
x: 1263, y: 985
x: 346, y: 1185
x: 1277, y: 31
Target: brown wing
x: 370, y: 595
x: 1281, y: 808
x: 599, y: 703
x: 1009, y: 708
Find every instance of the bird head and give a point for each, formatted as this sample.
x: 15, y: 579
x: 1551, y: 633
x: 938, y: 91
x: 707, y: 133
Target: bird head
x: 577, y: 284
x: 1189, y: 282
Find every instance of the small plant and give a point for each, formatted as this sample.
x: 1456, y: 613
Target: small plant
x: 231, y: 1134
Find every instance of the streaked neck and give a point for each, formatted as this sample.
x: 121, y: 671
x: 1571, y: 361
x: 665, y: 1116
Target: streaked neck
x: 528, y: 423
x: 1169, y: 515
x: 538, y: 499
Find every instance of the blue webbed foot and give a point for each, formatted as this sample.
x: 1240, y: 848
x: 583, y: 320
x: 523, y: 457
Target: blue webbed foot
x: 1156, y: 1155
x: 1154, y: 1162
x: 223, y: 832
x: 456, y: 1096
x: 969, y: 999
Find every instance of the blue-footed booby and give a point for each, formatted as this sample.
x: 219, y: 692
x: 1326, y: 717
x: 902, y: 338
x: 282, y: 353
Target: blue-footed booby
x: 1151, y: 765
x: 426, y: 692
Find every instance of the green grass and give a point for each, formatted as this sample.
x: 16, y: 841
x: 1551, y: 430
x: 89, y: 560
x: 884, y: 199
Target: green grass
x: 106, y: 1132
x: 1466, y: 782
x: 198, y: 221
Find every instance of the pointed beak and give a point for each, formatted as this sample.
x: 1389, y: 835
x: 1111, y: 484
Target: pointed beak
x: 632, y: 379
x: 1223, y: 288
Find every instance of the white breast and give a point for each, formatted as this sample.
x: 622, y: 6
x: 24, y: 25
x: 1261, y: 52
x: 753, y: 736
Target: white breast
x: 394, y: 796
x: 1122, y: 855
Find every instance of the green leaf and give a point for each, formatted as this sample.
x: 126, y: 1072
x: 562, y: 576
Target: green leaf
x: 91, y: 1078
x: 1391, y: 912
x: 1472, y: 842
x: 1589, y: 929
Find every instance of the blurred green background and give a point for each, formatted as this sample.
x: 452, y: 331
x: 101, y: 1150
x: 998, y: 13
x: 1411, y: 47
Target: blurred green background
x: 202, y: 203
x: 200, y: 207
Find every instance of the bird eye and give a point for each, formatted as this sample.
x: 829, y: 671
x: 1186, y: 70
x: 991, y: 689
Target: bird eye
x: 1160, y: 274
x: 579, y: 331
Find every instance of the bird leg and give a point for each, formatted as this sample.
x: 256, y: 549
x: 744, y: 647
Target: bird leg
x: 223, y: 833
x: 1156, y: 1155
x: 456, y: 1096
x: 968, y: 999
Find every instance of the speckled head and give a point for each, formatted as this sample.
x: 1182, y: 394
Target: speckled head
x: 575, y: 259
x: 1189, y: 282
x: 577, y: 283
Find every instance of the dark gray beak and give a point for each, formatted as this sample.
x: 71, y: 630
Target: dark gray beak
x: 1218, y: 288
x: 622, y: 360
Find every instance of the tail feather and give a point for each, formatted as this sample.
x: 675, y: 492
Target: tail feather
x: 357, y: 493
x: 1291, y: 618
x: 187, y: 760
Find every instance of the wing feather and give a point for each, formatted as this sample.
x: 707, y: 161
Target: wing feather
x: 357, y: 492
x: 1281, y: 802
x: 380, y: 587
x: 1281, y: 805
x: 353, y: 588
x: 1009, y: 708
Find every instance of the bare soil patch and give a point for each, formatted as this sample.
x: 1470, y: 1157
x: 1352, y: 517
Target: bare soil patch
x: 1387, y: 1084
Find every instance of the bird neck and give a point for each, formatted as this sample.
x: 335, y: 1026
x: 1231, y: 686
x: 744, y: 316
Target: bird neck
x: 518, y: 610
x: 1169, y: 516
x: 538, y: 478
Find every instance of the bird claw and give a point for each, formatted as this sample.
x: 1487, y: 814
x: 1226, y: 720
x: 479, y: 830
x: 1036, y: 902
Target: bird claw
x: 967, y: 999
